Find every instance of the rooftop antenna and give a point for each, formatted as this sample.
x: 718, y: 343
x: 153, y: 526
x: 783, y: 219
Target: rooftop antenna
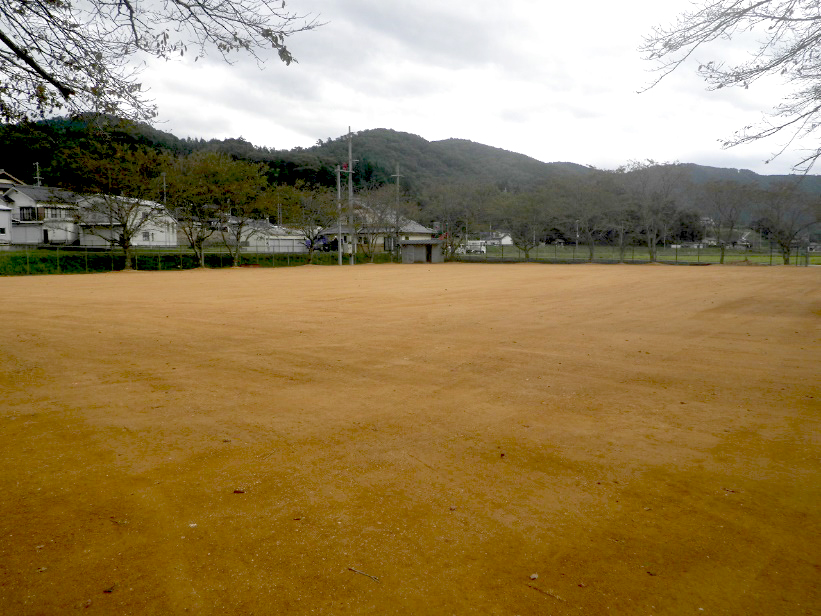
x: 37, y: 177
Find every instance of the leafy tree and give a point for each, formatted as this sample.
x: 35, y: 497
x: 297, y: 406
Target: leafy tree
x: 125, y: 198
x: 194, y: 194
x: 308, y: 210
x: 687, y: 226
x: 242, y: 199
x: 785, y: 212
x: 789, y: 46
x: 80, y: 56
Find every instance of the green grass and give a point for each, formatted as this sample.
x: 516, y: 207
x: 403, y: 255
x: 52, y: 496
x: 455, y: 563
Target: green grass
x: 77, y: 260
x: 608, y: 254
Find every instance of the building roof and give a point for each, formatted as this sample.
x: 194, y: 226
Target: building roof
x: 408, y: 226
x: 431, y: 242
x: 263, y: 227
x: 374, y: 222
x: 7, y: 179
x: 45, y: 194
x: 98, y: 217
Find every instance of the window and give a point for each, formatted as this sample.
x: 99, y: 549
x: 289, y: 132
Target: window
x: 56, y: 212
x: 146, y: 236
x: 28, y: 213
x: 2, y: 230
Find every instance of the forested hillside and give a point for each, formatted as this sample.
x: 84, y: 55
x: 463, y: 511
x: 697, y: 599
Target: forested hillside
x: 62, y: 147
x: 456, y: 186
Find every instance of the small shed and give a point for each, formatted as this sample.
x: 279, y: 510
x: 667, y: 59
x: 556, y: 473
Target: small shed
x: 421, y: 251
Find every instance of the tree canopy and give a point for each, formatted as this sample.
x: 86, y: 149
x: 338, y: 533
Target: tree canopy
x: 789, y: 46
x: 83, y: 55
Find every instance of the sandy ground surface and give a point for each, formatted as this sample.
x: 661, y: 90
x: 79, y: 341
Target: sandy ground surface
x: 412, y: 440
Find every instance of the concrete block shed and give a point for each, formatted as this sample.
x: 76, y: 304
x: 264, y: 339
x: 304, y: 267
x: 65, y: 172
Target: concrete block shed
x: 421, y: 251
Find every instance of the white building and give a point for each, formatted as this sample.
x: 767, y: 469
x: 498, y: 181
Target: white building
x: 95, y: 228
x: 5, y: 224
x: 41, y: 215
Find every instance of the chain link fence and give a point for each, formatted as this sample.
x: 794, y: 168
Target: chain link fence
x: 677, y: 255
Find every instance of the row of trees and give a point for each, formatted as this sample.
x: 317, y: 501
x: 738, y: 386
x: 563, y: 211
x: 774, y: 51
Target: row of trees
x: 641, y: 203
x: 210, y: 194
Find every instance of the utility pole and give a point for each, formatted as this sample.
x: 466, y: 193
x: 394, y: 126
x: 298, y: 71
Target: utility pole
x: 37, y: 177
x: 354, y: 245
x: 339, y: 213
x: 396, y: 217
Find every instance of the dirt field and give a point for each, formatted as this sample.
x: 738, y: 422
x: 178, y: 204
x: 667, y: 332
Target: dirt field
x: 412, y: 440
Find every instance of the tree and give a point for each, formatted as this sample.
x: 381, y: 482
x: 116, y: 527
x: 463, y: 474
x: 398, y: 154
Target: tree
x: 375, y: 212
x: 125, y: 200
x: 789, y: 47
x: 194, y: 195
x: 724, y: 203
x: 308, y: 210
x: 525, y: 217
x: 588, y: 201
x: 784, y: 213
x: 401, y: 212
x: 243, y: 199
x: 455, y: 209
x: 652, y: 191
x: 59, y: 55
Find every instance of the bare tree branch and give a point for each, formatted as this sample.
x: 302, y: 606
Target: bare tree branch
x: 789, y: 47
x: 81, y: 57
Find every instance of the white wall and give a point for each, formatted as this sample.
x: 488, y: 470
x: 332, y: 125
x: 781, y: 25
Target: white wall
x: 5, y: 225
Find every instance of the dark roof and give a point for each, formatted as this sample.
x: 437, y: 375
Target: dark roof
x: 45, y: 194
x: 420, y: 242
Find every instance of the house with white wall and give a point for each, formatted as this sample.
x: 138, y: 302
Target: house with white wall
x: 262, y: 236
x: 378, y: 231
x: 157, y: 229
x: 41, y: 215
x: 5, y: 224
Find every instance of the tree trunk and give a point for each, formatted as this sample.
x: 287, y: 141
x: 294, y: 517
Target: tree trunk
x: 127, y: 254
x: 721, y: 260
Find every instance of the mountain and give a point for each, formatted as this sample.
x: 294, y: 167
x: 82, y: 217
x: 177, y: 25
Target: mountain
x: 422, y: 163
x: 53, y: 145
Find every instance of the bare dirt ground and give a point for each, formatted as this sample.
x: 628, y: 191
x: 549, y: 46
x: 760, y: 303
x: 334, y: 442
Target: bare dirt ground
x: 412, y: 440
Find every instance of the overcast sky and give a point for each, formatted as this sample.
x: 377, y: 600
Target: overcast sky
x: 555, y: 81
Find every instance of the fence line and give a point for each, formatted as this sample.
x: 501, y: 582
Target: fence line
x: 29, y: 260
x: 769, y: 255
x: 22, y: 260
